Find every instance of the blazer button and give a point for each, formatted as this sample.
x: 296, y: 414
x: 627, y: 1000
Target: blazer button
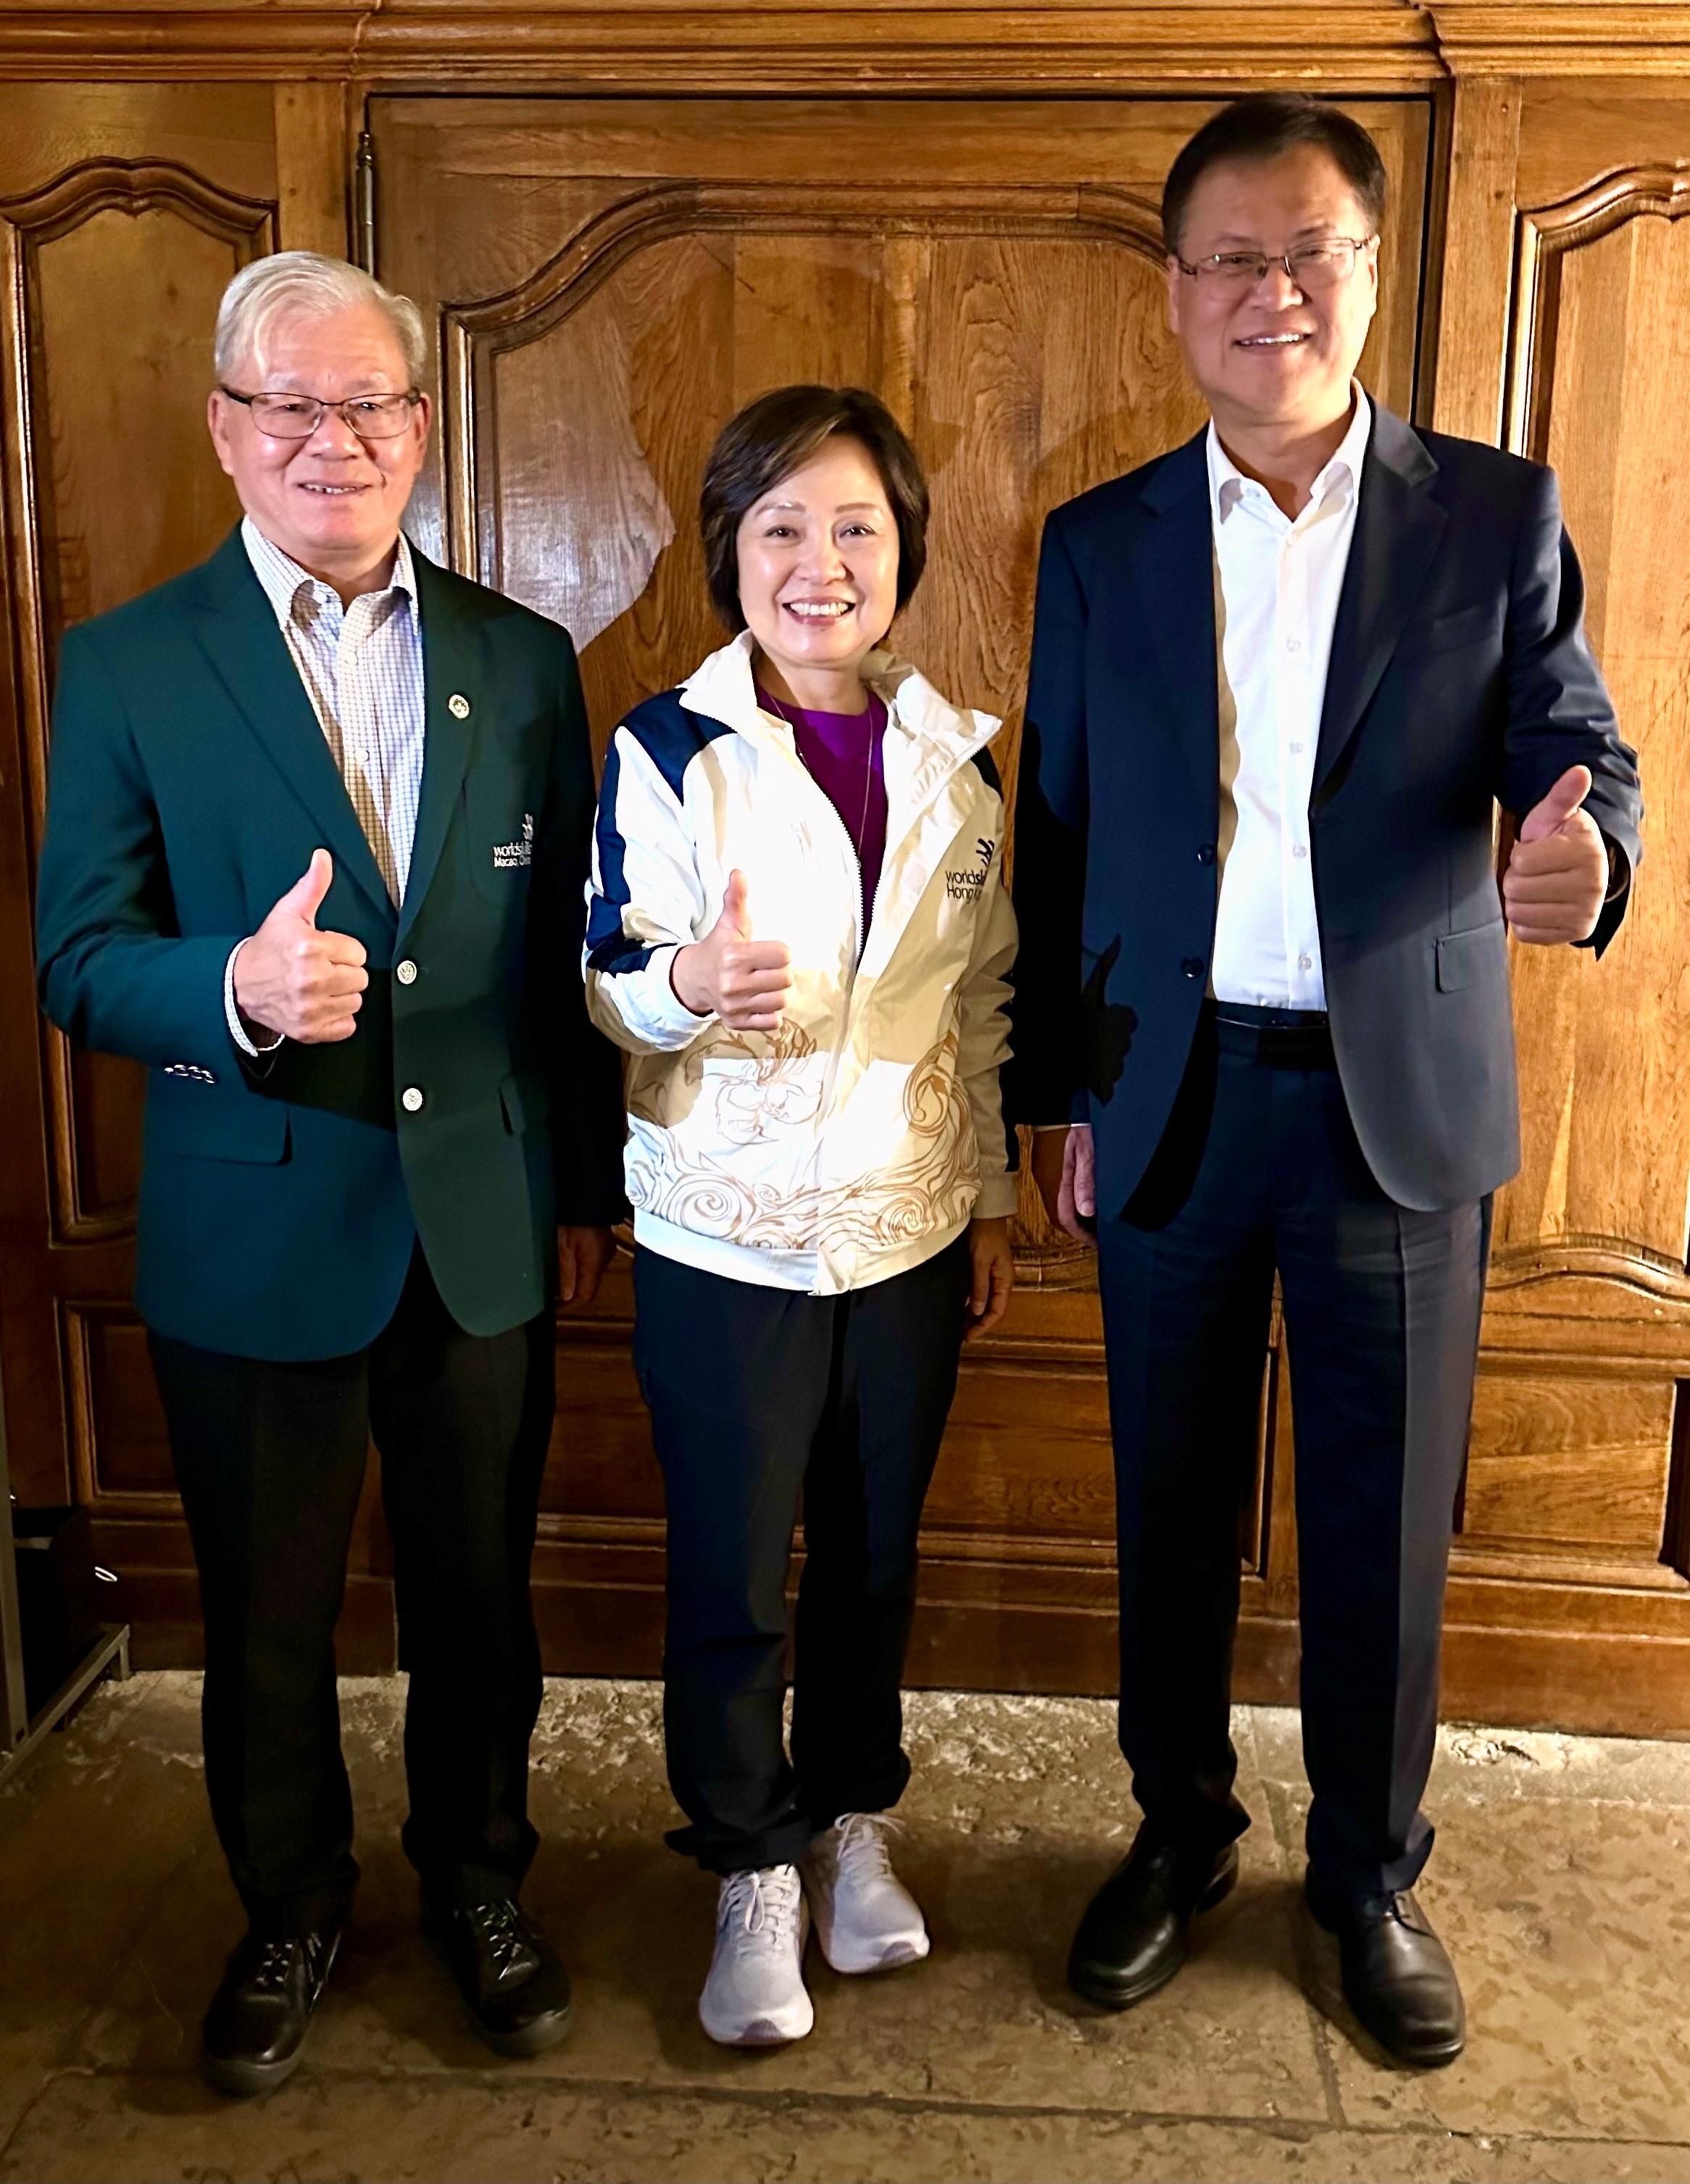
x: 406, y: 972
x: 410, y: 1099
x: 1205, y: 855
x: 1192, y: 967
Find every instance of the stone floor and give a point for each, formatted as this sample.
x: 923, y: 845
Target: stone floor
x: 1562, y: 1883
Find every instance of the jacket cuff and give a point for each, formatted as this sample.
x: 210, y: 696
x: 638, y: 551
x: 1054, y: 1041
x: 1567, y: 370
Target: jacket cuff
x: 997, y: 1199
x: 668, y: 1018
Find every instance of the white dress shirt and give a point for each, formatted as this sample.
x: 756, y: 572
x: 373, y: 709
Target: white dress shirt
x: 1276, y: 587
x: 362, y: 666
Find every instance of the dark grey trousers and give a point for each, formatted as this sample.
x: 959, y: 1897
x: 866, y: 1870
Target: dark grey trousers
x: 1260, y: 1169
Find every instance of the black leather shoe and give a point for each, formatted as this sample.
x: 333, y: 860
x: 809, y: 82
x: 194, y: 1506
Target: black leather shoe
x: 513, y: 1987
x: 256, y: 2026
x: 1398, y: 1977
x: 1132, y: 1938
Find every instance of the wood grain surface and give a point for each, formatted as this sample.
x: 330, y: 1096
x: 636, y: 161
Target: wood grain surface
x: 953, y: 205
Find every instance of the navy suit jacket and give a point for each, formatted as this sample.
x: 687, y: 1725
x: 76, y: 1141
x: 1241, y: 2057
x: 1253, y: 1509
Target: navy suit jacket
x: 1459, y: 675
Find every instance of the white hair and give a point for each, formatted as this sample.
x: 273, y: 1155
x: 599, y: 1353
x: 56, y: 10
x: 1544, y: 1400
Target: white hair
x: 304, y: 282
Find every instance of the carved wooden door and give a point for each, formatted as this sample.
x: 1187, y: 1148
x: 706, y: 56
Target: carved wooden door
x: 112, y: 267
x: 610, y: 280
x: 123, y: 214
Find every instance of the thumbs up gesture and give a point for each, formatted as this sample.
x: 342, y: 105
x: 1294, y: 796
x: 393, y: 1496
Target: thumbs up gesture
x: 1557, y: 876
x: 292, y: 981
x: 728, y: 974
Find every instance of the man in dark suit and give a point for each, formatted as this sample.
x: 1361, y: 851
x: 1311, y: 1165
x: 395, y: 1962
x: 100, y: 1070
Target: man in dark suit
x: 1280, y: 678
x: 316, y: 844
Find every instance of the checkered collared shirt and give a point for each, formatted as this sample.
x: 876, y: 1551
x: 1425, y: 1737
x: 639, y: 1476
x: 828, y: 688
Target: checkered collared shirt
x: 362, y: 666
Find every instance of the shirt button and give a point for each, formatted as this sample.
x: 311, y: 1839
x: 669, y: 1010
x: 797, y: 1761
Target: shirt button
x: 1192, y: 967
x: 1205, y: 855
x: 410, y: 1099
x: 1293, y: 644
x: 1300, y: 850
x: 1305, y: 962
x: 406, y: 972
x: 1297, y: 750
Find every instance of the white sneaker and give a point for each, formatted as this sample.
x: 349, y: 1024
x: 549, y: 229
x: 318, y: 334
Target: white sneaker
x: 755, y: 1996
x: 866, y: 1920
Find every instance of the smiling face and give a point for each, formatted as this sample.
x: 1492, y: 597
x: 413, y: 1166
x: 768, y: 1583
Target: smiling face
x: 817, y: 567
x: 1273, y: 356
x: 331, y: 502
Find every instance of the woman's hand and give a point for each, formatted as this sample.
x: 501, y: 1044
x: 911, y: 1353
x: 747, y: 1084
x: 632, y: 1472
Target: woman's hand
x: 728, y: 974
x: 994, y: 1275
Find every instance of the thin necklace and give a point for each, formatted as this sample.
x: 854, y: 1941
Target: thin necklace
x: 784, y: 713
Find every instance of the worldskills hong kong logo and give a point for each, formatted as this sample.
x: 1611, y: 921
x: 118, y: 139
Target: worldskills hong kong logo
x: 968, y: 884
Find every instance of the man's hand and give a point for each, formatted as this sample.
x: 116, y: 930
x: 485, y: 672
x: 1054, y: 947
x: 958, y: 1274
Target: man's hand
x: 290, y: 979
x: 728, y: 974
x: 1064, y: 1170
x: 993, y: 1276
x: 1557, y: 876
x: 583, y: 1254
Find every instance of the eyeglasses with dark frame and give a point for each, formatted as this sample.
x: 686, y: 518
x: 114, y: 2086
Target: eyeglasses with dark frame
x: 1310, y: 266
x: 282, y: 416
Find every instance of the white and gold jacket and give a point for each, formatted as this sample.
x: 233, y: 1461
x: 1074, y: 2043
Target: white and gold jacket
x: 861, y: 1136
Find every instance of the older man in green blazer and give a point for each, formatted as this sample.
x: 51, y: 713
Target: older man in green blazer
x: 316, y: 842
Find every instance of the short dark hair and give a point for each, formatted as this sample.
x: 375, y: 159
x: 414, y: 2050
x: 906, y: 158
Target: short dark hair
x: 777, y: 434
x: 1260, y: 127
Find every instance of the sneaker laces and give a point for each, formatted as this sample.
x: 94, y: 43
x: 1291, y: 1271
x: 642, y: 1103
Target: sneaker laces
x: 765, y: 1903
x: 862, y: 1853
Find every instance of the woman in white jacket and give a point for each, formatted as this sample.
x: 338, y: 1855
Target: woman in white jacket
x: 798, y: 927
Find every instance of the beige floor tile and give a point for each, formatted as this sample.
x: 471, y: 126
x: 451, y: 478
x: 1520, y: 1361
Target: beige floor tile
x: 1498, y: 1765
x: 410, y: 2131
x: 1570, y: 1925
x: 91, y: 1830
x: 1003, y: 1845
x: 1562, y: 1881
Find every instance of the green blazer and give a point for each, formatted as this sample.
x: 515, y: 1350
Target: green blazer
x: 281, y: 1199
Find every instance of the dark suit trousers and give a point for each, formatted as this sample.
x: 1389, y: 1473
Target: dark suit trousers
x: 270, y: 1459
x: 1259, y: 1168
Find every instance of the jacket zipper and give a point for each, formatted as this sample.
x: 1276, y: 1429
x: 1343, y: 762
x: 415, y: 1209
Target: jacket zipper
x: 836, y: 1054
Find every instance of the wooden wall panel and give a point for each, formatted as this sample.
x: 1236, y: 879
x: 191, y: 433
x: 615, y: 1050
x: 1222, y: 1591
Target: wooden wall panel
x: 1571, y: 1466
x: 124, y: 210
x: 978, y: 262
x: 110, y: 273
x: 610, y: 281
x: 1578, y: 1471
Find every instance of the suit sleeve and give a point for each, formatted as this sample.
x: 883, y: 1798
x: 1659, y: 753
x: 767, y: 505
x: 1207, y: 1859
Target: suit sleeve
x: 113, y: 969
x: 585, y: 1073
x: 1045, y: 1081
x: 1559, y: 710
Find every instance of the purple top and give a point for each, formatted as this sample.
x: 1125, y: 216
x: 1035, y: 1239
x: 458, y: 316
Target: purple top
x: 846, y: 754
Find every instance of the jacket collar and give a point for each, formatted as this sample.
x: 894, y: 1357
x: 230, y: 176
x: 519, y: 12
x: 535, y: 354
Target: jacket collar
x: 238, y: 627
x: 722, y: 688
x: 1398, y: 523
x: 459, y: 692
x: 238, y: 630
